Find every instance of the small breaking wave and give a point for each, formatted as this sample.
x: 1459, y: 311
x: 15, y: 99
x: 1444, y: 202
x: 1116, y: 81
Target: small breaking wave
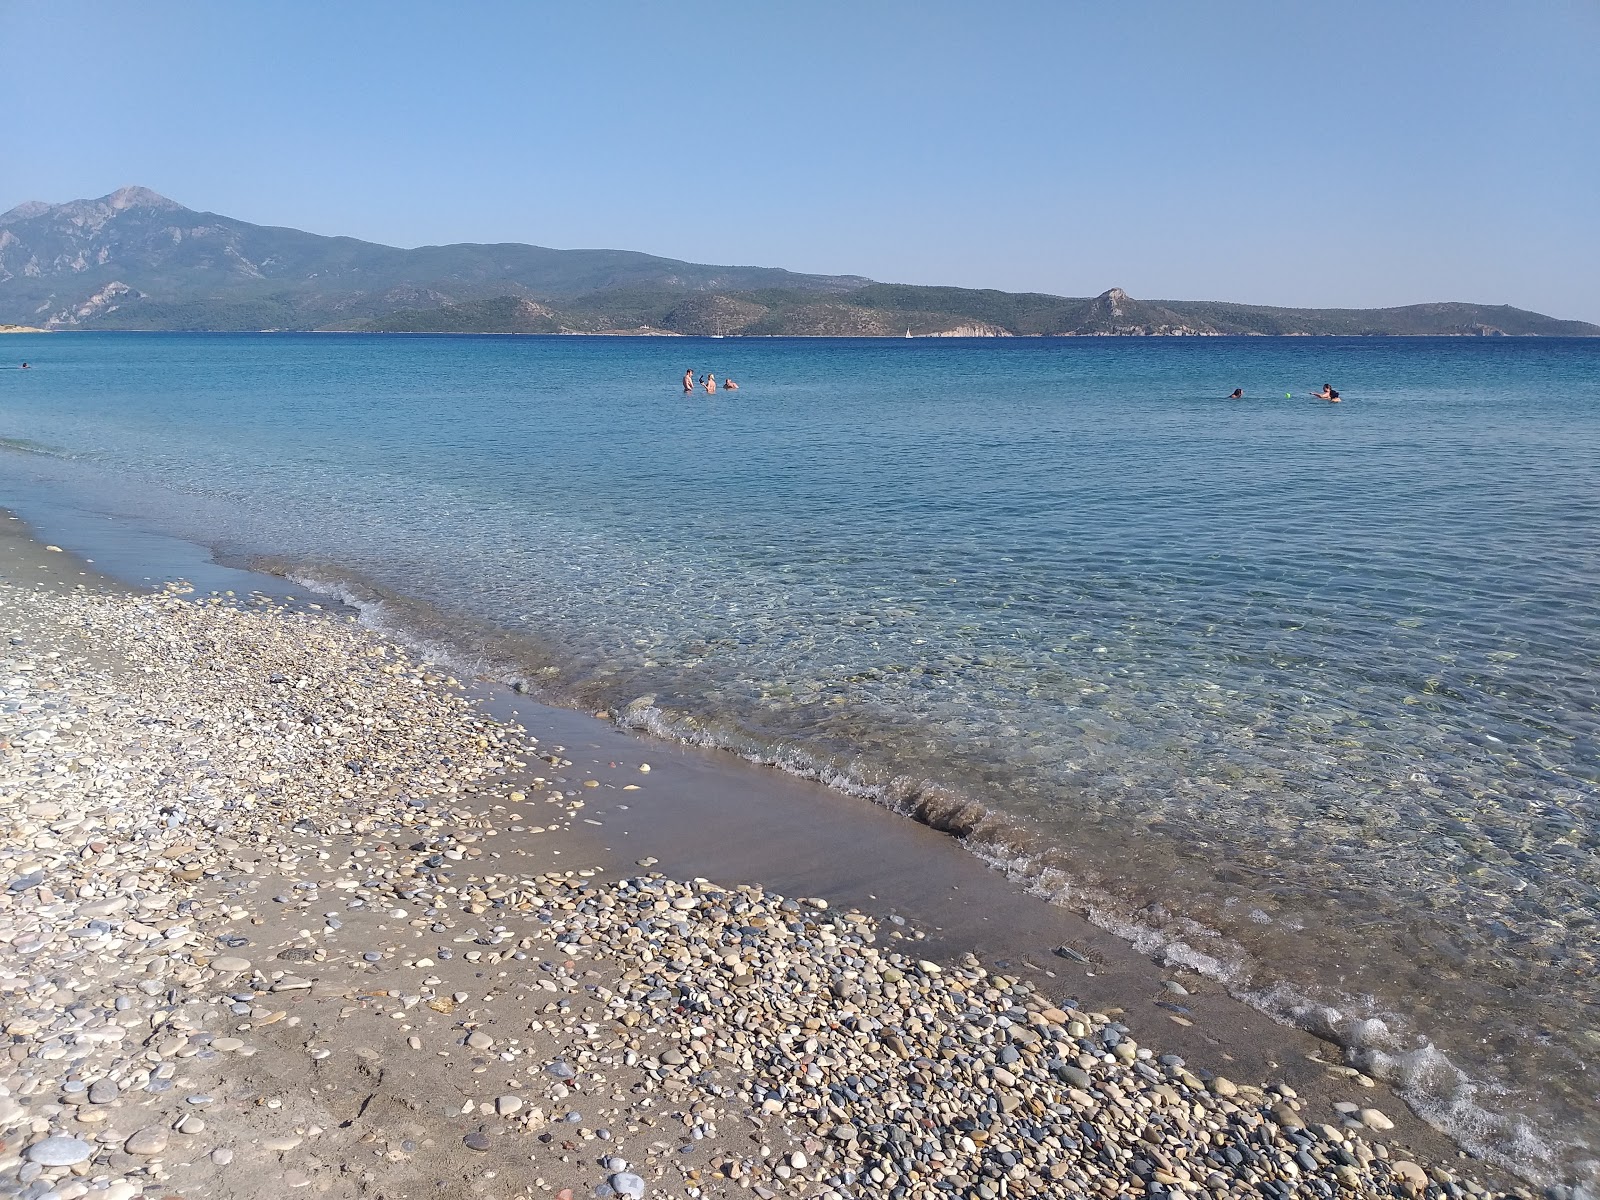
x: 37, y: 449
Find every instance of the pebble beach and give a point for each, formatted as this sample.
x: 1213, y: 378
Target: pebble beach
x: 283, y: 909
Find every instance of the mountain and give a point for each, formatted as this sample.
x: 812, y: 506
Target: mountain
x: 137, y: 260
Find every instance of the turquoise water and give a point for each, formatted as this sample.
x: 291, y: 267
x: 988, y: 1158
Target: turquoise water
x: 1305, y: 695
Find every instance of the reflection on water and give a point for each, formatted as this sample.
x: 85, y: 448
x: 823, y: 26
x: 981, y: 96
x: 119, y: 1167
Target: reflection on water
x: 1308, y: 693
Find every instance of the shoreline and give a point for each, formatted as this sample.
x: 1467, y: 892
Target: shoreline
x: 802, y: 839
x: 1346, y: 1031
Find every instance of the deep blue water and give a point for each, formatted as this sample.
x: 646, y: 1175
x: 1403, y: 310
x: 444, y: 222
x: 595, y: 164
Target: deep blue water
x: 1306, y: 692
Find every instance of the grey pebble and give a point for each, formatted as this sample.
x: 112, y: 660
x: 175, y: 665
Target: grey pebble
x: 1076, y: 1076
x: 58, y: 1152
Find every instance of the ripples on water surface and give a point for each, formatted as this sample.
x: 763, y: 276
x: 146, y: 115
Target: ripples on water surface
x: 1306, y: 692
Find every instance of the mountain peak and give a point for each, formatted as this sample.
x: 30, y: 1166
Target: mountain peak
x: 134, y: 196
x: 94, y: 211
x: 1114, y: 299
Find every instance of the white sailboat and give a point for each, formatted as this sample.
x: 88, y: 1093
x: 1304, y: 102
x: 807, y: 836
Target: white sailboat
x: 908, y: 331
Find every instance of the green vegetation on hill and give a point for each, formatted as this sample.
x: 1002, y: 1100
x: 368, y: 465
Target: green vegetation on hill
x: 888, y: 310
x: 136, y: 260
x: 1412, y: 320
x: 1021, y: 313
x: 502, y: 314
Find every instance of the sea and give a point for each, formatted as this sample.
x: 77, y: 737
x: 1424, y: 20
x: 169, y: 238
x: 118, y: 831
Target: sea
x: 1305, y: 696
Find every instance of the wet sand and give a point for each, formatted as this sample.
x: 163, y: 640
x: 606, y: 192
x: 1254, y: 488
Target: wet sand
x: 699, y: 813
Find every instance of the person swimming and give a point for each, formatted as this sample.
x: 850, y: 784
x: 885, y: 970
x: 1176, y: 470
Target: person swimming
x: 1236, y: 394
x: 711, y: 385
x: 688, y: 381
x: 1327, y: 393
x: 24, y: 367
x: 728, y: 385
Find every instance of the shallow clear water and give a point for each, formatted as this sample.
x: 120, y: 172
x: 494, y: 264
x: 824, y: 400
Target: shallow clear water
x: 1308, y: 694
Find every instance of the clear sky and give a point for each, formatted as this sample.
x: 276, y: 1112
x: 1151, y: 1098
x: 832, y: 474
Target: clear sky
x: 1282, y: 152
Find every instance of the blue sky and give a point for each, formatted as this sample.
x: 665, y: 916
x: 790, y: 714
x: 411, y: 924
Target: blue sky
x: 1344, y: 153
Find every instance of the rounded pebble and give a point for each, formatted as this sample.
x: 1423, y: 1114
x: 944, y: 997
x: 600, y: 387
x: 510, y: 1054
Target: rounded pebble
x: 58, y: 1152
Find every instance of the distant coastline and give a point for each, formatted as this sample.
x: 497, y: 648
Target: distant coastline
x: 904, y: 311
x: 135, y: 260
x: 864, y: 337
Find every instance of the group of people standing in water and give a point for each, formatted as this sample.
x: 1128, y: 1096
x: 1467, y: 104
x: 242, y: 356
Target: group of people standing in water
x: 1327, y: 393
x: 707, y: 381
